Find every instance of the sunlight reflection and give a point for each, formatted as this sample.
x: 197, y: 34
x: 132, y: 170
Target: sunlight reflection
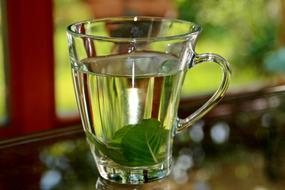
x: 183, y: 163
x: 266, y: 120
x: 201, y: 185
x: 260, y: 188
x: 196, y: 132
x: 50, y: 179
x: 220, y: 132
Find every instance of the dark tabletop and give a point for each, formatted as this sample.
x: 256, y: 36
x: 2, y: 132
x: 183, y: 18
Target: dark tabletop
x: 239, y: 146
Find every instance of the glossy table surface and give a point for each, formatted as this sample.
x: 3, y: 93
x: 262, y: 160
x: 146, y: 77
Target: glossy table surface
x: 242, y: 150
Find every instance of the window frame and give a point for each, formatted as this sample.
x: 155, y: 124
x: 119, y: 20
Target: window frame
x: 30, y: 68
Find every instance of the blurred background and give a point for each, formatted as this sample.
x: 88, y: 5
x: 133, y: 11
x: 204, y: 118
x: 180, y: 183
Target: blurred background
x: 243, y: 137
x: 249, y: 34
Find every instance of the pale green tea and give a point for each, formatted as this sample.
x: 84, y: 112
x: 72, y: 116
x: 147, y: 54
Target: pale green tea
x: 128, y: 104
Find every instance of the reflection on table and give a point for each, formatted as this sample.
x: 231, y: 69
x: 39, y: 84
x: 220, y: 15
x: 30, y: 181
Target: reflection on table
x: 239, y: 145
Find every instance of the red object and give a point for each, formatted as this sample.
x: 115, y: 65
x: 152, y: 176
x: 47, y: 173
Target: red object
x: 31, y: 99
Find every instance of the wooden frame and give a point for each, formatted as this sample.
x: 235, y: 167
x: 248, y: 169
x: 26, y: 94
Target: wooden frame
x: 30, y: 76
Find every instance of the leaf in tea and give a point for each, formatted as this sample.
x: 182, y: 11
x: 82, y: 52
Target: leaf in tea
x: 135, y: 145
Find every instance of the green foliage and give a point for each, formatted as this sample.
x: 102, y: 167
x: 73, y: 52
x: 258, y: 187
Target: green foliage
x: 135, y: 145
x: 250, y: 26
x: 242, y: 31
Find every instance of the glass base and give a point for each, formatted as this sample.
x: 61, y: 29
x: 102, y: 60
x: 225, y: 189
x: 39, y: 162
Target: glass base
x: 133, y: 175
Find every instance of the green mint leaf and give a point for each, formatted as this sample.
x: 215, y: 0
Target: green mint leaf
x: 135, y: 145
x: 149, y: 123
x: 117, y: 138
x: 142, y: 142
x: 114, y: 153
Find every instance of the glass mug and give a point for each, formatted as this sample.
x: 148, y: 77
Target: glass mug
x: 127, y: 74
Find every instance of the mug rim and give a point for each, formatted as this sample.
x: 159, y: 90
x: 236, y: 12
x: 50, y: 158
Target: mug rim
x: 196, y: 29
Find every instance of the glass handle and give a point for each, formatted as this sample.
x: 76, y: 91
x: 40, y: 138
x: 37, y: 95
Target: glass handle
x: 217, y: 96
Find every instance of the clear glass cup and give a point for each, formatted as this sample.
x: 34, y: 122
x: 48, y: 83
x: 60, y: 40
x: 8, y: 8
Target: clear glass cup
x: 127, y: 74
